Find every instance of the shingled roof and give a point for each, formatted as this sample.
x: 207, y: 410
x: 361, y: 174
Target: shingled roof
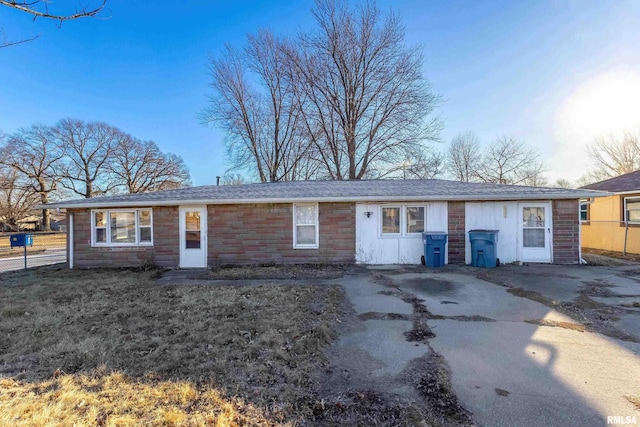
x: 331, y: 191
x: 627, y: 182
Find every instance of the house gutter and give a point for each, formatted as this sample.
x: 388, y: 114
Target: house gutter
x: 71, y: 246
x: 96, y: 203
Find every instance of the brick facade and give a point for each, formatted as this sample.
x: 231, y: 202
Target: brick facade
x: 164, y: 252
x: 238, y: 234
x: 566, y: 232
x: 457, y: 235
x: 263, y: 233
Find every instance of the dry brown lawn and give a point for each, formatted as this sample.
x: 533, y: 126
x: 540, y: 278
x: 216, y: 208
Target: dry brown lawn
x: 113, y: 348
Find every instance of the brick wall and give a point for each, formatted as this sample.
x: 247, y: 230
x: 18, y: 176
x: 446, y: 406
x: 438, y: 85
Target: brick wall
x: 263, y: 233
x: 457, y: 235
x: 164, y: 252
x: 566, y: 232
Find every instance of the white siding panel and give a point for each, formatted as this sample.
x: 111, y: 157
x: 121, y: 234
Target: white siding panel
x: 502, y: 216
x: 372, y: 248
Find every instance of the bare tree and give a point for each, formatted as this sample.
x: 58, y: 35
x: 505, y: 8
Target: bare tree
x: 365, y: 100
x: 464, y: 158
x: 423, y: 164
x: 34, y: 153
x: 233, y: 179
x: 562, y: 183
x: 509, y: 161
x: 17, y: 197
x: 140, y: 166
x: 89, y: 147
x: 614, y: 155
x: 41, y: 9
x: 263, y: 126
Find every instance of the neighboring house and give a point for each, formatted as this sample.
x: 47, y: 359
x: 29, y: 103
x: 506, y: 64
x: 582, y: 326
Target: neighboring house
x: 611, y: 222
x: 369, y: 222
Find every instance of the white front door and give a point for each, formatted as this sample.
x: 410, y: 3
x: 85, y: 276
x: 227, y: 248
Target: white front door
x: 535, y: 232
x: 193, y: 237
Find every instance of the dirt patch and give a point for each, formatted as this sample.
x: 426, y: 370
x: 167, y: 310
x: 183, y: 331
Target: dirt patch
x: 474, y: 318
x: 372, y: 315
x: 501, y: 392
x: 553, y: 323
x: 635, y: 400
x: 591, y: 315
x: 364, y: 408
x: 420, y: 332
x: 532, y: 295
x: 430, y: 376
x: 597, y: 288
x: 276, y: 271
x: 614, y: 260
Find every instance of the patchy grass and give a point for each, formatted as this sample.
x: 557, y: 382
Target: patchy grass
x: 110, y: 347
x: 279, y: 271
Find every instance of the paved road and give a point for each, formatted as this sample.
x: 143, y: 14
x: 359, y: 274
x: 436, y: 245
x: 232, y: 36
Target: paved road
x: 51, y: 256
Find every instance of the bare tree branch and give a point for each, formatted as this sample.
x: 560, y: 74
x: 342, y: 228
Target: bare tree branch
x: 264, y: 127
x: 31, y: 7
x: 509, y: 161
x: 139, y: 167
x: 40, y: 9
x: 366, y: 101
x: 464, y: 158
x: 614, y: 155
x: 34, y: 153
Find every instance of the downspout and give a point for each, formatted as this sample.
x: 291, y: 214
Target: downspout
x: 70, y: 237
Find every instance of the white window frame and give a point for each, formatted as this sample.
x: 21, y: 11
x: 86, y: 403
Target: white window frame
x: 107, y: 213
x: 400, y: 221
x: 633, y: 199
x: 316, y: 245
x: 405, y: 230
x: 403, y: 221
x: 586, y: 210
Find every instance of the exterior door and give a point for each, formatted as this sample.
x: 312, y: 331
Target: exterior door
x: 193, y: 237
x: 535, y: 232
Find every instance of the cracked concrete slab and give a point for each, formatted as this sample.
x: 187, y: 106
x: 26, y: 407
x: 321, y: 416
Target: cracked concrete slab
x: 512, y: 372
x: 450, y: 294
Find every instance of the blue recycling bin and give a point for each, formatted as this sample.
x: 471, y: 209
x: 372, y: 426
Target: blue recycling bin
x: 20, y: 240
x: 483, y: 248
x: 434, y: 248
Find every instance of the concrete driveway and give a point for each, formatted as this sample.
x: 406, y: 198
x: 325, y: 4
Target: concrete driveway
x: 526, y: 345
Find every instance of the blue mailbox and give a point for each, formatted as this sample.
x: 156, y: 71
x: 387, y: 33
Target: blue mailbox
x: 20, y: 240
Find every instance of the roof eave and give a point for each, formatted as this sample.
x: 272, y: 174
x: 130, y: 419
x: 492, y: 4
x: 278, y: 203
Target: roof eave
x: 466, y: 197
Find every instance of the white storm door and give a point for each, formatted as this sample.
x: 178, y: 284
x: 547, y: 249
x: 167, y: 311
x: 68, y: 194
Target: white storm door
x: 193, y: 237
x: 535, y: 232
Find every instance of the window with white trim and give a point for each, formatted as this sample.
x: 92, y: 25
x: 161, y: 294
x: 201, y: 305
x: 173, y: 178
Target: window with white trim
x: 305, y: 226
x: 632, y: 210
x: 121, y: 227
x: 584, y: 211
x: 404, y: 220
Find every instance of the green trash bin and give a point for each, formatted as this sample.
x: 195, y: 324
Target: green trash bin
x: 483, y: 248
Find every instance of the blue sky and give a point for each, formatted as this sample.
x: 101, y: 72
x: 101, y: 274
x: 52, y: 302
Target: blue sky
x: 552, y: 73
